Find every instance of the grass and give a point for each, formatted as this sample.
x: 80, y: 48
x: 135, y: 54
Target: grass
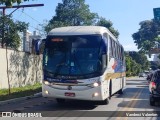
x: 20, y: 91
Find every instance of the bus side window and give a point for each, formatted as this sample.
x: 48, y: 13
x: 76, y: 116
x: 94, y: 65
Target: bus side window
x: 122, y: 54
x: 104, y: 56
x: 110, y: 48
x: 105, y: 42
x: 119, y: 52
x: 114, y: 49
x: 105, y: 37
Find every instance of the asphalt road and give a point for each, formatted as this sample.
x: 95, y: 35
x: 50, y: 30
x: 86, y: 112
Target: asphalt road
x: 133, y: 102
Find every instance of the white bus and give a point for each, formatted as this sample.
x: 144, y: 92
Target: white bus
x: 83, y: 63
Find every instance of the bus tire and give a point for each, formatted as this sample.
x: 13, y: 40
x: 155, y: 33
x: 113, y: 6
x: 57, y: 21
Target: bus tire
x: 152, y: 101
x: 110, y: 89
x: 60, y: 100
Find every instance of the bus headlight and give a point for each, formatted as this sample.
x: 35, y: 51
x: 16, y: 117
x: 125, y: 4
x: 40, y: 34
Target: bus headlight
x: 46, y: 83
x: 46, y: 92
x: 96, y: 84
x: 95, y: 94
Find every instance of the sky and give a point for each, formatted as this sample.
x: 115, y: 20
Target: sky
x: 124, y: 14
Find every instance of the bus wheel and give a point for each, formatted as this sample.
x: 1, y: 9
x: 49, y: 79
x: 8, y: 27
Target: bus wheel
x: 60, y: 101
x: 110, y: 90
x: 151, y: 100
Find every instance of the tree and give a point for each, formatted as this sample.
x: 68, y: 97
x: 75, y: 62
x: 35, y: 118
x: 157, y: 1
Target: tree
x: 72, y: 13
x: 108, y: 24
x: 132, y: 67
x: 10, y: 2
x: 9, y: 35
x: 148, y: 35
x: 9, y: 31
x: 140, y: 58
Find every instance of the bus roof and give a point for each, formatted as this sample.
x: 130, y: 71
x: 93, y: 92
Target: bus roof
x: 80, y: 30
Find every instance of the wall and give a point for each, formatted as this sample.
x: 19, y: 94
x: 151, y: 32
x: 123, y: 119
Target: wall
x: 24, y: 68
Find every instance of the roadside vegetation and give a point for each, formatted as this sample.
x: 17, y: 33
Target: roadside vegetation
x: 136, y: 62
x: 20, y: 92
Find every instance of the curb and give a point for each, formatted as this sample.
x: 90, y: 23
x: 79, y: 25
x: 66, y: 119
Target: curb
x: 20, y: 99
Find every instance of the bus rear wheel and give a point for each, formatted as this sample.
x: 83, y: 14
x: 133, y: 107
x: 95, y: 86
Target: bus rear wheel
x: 110, y: 90
x: 60, y: 100
x: 152, y: 101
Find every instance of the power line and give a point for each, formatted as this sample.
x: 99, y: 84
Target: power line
x: 31, y: 26
x: 31, y: 17
x: 39, y: 24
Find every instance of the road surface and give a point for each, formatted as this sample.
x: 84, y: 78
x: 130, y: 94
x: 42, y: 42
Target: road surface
x: 133, y: 102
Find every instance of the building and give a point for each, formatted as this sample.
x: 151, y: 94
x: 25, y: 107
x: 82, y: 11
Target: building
x: 28, y: 39
x: 21, y: 42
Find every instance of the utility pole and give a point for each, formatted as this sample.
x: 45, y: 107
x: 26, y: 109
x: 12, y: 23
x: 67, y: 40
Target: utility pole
x: 2, y: 43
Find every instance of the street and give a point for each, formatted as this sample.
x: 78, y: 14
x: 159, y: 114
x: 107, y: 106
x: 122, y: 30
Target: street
x: 135, y: 98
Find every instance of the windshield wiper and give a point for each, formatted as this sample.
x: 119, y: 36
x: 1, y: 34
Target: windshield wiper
x: 76, y: 61
x: 59, y: 66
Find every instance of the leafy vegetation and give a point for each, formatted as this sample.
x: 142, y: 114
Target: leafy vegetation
x: 75, y: 13
x: 136, y: 62
x: 9, y: 30
x: 141, y: 59
x: 72, y: 13
x: 108, y: 24
x: 10, y: 2
x: 132, y: 68
x: 147, y: 36
x: 20, y: 92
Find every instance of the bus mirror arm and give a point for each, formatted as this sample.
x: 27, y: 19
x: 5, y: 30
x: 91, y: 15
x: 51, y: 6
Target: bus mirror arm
x: 104, y: 63
x: 38, y: 45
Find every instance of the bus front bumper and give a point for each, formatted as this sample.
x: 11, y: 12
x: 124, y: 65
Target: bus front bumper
x: 94, y: 94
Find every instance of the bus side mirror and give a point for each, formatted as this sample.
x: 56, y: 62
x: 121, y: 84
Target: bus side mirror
x: 38, y: 46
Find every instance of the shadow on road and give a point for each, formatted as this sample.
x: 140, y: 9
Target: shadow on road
x: 77, y: 105
x: 129, y: 92
x: 137, y: 80
x: 51, y: 105
x: 139, y: 103
x: 137, y: 98
x: 139, y: 83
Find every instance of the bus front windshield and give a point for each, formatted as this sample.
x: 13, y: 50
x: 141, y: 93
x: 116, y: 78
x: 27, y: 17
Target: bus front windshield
x: 72, y: 55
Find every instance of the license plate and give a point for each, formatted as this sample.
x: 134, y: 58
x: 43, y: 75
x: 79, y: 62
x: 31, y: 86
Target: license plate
x: 70, y: 94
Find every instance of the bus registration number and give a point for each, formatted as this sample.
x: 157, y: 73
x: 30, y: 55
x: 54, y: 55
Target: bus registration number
x: 70, y: 94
